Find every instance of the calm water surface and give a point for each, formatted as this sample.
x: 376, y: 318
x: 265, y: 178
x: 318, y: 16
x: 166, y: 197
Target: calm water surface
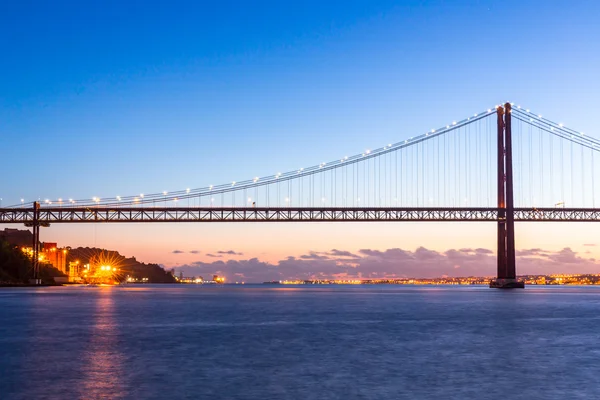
x: 307, y: 342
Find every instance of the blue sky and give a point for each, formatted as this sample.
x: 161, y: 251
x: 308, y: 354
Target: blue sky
x: 106, y: 98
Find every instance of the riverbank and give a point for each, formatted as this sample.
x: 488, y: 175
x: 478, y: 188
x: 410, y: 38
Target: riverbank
x: 5, y: 285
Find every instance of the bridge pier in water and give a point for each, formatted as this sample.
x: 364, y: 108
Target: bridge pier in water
x: 506, y: 274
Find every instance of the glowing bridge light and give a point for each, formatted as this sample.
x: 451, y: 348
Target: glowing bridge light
x: 165, y: 193
x: 255, y: 179
x: 527, y: 110
x: 489, y: 110
x: 187, y: 190
x: 233, y: 183
x: 118, y: 198
x: 539, y: 116
x: 561, y: 125
x: 142, y: 195
x: 210, y: 187
x: 453, y: 122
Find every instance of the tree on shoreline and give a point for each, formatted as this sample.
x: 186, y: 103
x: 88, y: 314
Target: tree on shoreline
x: 15, y: 266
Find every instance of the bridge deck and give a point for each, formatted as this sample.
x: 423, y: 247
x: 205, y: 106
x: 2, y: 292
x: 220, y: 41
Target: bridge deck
x: 359, y: 214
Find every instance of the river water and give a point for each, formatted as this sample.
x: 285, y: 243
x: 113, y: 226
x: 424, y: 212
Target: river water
x: 299, y: 342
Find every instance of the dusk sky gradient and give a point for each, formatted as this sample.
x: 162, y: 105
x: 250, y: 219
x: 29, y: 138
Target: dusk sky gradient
x: 107, y: 98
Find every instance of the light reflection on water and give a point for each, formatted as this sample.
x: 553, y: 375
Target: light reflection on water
x: 308, y: 342
x: 102, y: 367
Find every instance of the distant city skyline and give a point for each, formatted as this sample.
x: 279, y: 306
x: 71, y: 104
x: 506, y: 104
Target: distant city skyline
x: 114, y: 99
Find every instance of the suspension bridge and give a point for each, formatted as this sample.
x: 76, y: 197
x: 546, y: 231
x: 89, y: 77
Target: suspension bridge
x: 502, y: 165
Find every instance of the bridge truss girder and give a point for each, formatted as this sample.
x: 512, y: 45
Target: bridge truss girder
x: 301, y: 214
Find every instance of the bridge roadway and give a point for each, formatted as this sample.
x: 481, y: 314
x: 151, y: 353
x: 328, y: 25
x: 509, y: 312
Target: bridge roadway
x: 48, y: 215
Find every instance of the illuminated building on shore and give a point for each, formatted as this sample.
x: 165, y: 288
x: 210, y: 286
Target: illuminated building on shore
x: 75, y: 271
x: 53, y: 255
x: 49, y: 253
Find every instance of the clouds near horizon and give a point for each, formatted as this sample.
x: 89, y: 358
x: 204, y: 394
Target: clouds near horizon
x: 390, y: 263
x: 230, y: 253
